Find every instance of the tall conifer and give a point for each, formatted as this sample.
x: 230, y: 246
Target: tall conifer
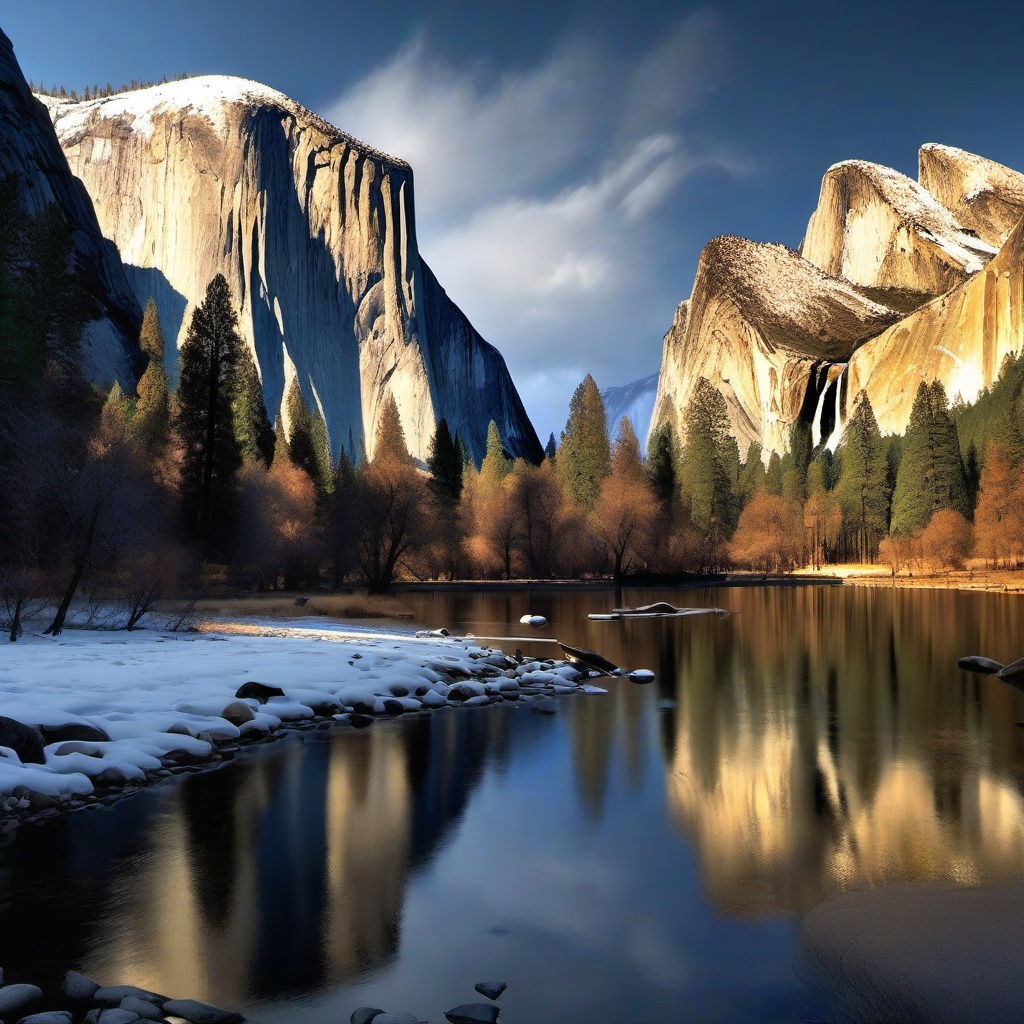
x: 862, y: 489
x: 584, y: 456
x: 931, y: 472
x: 445, y: 466
x: 252, y: 425
x: 390, y: 445
x: 661, y: 463
x: 206, y: 392
x: 708, y: 462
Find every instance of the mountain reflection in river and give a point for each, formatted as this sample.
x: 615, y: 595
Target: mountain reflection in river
x: 820, y: 740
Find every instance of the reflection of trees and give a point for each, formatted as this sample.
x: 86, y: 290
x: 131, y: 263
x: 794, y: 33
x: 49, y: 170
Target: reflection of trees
x: 287, y: 871
x: 829, y: 741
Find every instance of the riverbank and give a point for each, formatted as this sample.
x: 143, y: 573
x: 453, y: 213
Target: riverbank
x: 90, y: 716
x: 1002, y: 581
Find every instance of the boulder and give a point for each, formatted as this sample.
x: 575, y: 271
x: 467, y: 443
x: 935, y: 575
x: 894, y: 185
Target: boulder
x: 73, y: 731
x: 48, y: 1017
x: 110, y: 777
x: 25, y: 741
x: 260, y: 691
x: 143, y: 1007
x: 364, y: 1014
x: 200, y: 1013
x: 473, y: 1013
x: 111, y: 995
x: 238, y: 713
x: 78, y: 987
x: 14, y: 997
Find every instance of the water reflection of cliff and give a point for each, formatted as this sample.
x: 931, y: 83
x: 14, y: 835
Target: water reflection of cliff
x: 825, y: 740
x: 287, y: 874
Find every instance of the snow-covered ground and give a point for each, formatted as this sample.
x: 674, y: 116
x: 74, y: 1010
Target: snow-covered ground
x: 160, y: 693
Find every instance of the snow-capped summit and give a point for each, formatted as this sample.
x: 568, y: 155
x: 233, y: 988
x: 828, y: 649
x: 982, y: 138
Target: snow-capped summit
x: 635, y: 401
x: 315, y: 233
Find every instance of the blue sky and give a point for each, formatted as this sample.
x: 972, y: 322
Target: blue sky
x: 571, y: 159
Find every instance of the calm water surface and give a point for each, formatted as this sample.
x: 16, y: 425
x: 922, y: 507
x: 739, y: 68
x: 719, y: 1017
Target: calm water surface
x: 644, y: 856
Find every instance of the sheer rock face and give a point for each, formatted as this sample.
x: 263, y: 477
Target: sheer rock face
x: 960, y: 338
x: 984, y: 196
x: 883, y: 231
x: 315, y: 234
x: 30, y: 151
x: 760, y: 324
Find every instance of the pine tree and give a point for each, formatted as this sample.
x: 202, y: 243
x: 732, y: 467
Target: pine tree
x: 773, y: 475
x: 496, y: 465
x: 445, y: 466
x: 390, y: 445
x: 308, y: 444
x: 206, y: 391
x: 707, y: 465
x: 551, y: 448
x: 323, y: 477
x: 584, y: 456
x: 931, y: 472
x: 252, y: 425
x: 626, y: 461
x: 661, y: 463
x: 752, y: 474
x: 862, y: 489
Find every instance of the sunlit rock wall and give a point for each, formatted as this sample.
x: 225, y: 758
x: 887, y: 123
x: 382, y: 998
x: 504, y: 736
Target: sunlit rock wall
x: 316, y: 236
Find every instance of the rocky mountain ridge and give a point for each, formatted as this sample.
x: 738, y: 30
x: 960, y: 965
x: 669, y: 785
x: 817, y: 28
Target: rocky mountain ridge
x: 896, y: 281
x: 29, y: 151
x: 315, y: 233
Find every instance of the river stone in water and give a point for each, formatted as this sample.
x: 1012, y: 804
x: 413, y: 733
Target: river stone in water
x: 1013, y: 674
x: 364, y: 1014
x: 402, y: 1017
x: 48, y: 1017
x: 473, y: 1013
x: 976, y: 663
x: 491, y: 989
x: 111, y: 995
x: 78, y: 987
x: 144, y: 1008
x: 25, y: 741
x: 14, y: 997
x: 200, y: 1013
x: 111, y: 1015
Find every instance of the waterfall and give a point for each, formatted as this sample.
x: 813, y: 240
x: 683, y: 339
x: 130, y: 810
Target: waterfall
x: 837, y: 428
x: 820, y: 408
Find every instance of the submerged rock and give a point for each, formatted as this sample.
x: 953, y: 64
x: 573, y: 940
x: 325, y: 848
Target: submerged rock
x: 200, y: 1013
x: 976, y: 663
x: 473, y: 1013
x: 364, y: 1014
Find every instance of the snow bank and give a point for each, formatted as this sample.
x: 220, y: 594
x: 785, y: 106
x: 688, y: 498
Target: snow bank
x: 161, y: 698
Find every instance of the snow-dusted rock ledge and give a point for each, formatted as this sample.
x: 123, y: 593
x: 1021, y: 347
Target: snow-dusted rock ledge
x: 92, y: 715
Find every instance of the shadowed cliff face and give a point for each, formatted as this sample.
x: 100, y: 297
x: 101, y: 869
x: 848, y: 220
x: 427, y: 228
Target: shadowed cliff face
x: 314, y: 232
x: 30, y: 151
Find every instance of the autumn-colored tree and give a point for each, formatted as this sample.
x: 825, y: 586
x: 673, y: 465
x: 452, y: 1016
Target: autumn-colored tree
x: 768, y: 535
x: 544, y: 525
x: 899, y: 552
x: 496, y: 465
x: 823, y: 521
x: 999, y: 517
x: 390, y: 444
x: 390, y: 516
x: 947, y: 539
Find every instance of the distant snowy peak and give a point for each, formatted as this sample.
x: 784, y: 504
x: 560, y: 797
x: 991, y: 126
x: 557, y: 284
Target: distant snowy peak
x: 985, y: 196
x: 207, y: 96
x: 635, y: 401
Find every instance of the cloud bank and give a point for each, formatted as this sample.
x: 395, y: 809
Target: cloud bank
x: 544, y: 194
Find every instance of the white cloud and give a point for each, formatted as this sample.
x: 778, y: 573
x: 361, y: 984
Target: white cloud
x: 541, y: 195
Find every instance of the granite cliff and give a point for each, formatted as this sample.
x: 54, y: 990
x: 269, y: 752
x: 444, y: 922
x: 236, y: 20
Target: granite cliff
x: 896, y: 282
x: 315, y: 233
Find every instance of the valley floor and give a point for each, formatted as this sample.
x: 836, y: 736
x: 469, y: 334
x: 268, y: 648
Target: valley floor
x: 973, y: 577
